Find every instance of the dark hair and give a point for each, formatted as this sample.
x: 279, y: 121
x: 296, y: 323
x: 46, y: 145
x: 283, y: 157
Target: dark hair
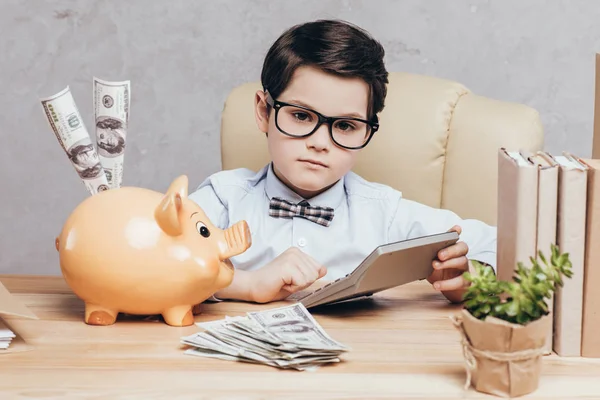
x: 334, y: 46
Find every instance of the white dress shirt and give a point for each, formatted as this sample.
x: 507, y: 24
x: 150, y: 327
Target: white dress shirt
x: 367, y: 215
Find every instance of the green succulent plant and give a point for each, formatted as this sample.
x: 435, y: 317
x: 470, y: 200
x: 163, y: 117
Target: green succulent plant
x: 523, y: 299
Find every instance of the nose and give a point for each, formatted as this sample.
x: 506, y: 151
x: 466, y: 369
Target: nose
x: 319, y: 140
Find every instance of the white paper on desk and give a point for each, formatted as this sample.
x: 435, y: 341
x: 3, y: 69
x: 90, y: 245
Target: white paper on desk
x: 12, y: 308
x: 6, y: 336
x: 5, y: 332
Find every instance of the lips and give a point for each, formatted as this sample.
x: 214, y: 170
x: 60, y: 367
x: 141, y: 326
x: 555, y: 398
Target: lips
x: 314, y: 162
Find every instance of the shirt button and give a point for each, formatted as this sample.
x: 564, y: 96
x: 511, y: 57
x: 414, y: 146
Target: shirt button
x: 302, y: 242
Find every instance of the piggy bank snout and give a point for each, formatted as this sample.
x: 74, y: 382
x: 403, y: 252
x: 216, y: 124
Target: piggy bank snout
x: 237, y: 240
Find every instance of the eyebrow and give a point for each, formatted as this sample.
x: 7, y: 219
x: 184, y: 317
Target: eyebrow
x: 350, y: 115
x: 195, y: 212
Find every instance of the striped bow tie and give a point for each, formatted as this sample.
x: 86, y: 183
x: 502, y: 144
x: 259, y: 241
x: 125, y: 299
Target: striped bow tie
x: 281, y: 208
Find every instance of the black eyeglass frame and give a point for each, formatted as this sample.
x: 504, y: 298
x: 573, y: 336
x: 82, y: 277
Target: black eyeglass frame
x: 277, y: 105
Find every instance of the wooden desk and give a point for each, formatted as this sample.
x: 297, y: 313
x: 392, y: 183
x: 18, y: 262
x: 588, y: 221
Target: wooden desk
x: 403, y: 346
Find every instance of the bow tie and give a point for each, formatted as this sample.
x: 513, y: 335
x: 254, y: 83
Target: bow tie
x: 281, y: 208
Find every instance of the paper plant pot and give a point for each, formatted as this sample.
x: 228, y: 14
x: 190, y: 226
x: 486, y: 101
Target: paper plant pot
x: 502, y: 359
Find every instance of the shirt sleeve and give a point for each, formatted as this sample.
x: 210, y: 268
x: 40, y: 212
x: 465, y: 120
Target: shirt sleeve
x: 206, y: 197
x: 412, y: 219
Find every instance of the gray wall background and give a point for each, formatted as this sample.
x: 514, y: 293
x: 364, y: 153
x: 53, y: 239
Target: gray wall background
x: 183, y: 58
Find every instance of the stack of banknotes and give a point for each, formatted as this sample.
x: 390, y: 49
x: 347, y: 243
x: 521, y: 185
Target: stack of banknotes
x: 100, y: 167
x: 285, y: 337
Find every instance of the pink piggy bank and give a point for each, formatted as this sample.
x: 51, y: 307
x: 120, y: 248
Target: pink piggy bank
x: 137, y: 251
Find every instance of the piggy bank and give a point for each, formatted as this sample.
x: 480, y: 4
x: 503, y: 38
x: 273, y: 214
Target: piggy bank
x: 137, y: 251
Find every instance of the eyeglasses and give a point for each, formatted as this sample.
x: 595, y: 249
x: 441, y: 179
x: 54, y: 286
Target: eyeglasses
x: 299, y: 121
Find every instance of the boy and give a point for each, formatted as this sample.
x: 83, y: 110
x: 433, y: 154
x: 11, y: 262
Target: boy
x: 313, y: 72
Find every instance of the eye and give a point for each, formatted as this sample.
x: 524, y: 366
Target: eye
x: 345, y: 126
x: 202, y: 229
x: 301, y: 116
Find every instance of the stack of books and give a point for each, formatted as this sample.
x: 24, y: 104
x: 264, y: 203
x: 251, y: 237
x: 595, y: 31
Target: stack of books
x: 6, y: 336
x: 546, y: 199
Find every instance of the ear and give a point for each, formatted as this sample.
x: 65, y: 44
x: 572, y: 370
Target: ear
x: 260, y: 111
x: 168, y: 211
x: 167, y: 214
x: 179, y: 185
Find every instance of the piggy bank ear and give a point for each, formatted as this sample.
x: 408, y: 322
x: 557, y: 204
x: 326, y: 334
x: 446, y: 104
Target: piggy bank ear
x: 167, y: 212
x: 179, y: 185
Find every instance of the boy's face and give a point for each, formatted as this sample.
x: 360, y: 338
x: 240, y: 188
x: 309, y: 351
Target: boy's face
x: 312, y: 164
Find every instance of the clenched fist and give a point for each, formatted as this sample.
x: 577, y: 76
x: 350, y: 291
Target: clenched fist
x: 291, y: 271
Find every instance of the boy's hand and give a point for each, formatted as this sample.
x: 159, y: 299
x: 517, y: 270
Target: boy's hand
x: 291, y: 271
x: 447, y: 276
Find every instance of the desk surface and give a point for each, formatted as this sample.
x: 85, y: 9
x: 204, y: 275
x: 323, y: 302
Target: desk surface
x: 403, y: 346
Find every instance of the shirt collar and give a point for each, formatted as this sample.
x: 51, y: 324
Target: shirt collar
x: 332, y: 197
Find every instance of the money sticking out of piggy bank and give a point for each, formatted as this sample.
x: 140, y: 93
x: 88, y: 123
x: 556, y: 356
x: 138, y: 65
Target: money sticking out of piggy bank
x: 136, y: 251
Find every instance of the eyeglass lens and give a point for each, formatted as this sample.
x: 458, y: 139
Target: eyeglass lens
x: 299, y: 122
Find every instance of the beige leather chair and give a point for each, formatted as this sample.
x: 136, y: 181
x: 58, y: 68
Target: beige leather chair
x: 437, y: 143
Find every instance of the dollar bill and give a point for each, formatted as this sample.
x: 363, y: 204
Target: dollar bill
x: 210, y: 346
x: 66, y: 122
x: 294, y: 324
x: 202, y: 352
x: 286, y: 337
x: 111, y: 118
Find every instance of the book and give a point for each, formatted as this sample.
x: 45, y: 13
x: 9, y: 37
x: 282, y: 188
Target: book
x: 590, y: 339
x: 571, y: 232
x: 547, y: 209
x: 527, y: 213
x: 596, y: 132
x: 517, y: 212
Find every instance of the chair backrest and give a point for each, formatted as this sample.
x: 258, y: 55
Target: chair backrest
x: 437, y: 143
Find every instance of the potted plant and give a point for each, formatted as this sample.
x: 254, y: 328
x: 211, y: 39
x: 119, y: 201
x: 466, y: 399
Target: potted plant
x: 504, y: 324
